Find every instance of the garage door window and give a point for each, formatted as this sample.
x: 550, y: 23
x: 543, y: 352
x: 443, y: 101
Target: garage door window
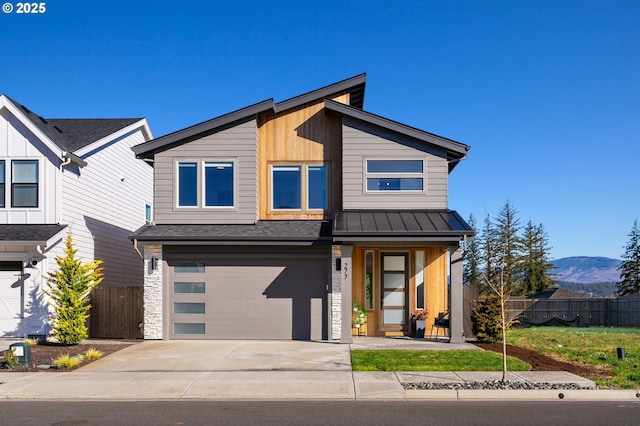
x: 189, y: 288
x: 188, y: 308
x: 188, y: 328
x: 188, y: 268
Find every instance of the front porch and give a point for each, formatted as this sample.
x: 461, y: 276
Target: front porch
x: 389, y: 264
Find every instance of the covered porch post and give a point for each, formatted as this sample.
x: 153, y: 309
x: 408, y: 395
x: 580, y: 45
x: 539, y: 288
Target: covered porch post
x: 345, y: 280
x: 456, y: 297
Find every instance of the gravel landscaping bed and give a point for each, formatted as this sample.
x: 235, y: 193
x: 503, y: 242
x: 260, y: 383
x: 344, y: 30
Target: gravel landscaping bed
x: 493, y: 384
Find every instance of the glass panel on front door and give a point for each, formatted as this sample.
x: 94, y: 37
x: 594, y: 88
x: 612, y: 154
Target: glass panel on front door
x: 394, y: 291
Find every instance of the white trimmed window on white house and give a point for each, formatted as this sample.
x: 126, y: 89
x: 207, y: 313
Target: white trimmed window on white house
x: 2, y: 183
x: 24, y: 183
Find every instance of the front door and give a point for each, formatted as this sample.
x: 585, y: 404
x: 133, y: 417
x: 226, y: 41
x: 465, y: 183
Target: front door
x: 11, y: 299
x: 394, y: 292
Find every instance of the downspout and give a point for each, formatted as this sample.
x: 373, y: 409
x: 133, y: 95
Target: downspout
x: 135, y: 247
x: 67, y: 160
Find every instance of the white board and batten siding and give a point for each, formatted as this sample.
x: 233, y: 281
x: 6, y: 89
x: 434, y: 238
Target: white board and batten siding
x: 237, y: 144
x: 105, y: 204
x: 362, y: 141
x: 19, y: 143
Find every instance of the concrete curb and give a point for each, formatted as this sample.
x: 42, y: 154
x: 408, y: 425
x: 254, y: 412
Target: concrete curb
x: 528, y: 395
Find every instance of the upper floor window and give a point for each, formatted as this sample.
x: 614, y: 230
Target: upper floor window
x: 299, y: 187
x: 205, y: 184
x: 218, y: 184
x: 187, y: 184
x: 24, y: 183
x: 395, y: 175
x: 287, y: 184
x: 147, y: 213
x: 2, y: 190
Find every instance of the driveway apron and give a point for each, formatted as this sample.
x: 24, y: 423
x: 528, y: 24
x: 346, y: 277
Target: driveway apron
x: 207, y: 356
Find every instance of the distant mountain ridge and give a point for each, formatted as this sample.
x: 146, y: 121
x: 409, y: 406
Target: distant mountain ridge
x: 586, y: 270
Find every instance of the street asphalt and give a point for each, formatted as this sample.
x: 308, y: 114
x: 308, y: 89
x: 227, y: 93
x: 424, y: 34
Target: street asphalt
x: 271, y: 370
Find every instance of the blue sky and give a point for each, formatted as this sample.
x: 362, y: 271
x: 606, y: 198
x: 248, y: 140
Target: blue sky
x: 546, y: 93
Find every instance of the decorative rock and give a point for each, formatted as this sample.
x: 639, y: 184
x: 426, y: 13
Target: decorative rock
x: 493, y: 384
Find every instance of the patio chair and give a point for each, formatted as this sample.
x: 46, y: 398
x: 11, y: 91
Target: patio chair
x: 441, y: 322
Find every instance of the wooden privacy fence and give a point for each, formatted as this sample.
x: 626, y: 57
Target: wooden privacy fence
x: 604, y: 312
x: 116, y: 312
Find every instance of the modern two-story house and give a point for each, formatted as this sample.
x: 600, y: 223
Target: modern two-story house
x: 271, y: 221
x: 59, y: 176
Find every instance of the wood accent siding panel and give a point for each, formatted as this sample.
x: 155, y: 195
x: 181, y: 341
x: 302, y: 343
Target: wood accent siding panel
x: 104, y: 204
x: 435, y: 276
x: 236, y: 143
x: 304, y: 135
x: 362, y: 141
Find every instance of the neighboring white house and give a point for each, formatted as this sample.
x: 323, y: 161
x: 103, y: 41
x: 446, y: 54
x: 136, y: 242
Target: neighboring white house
x: 59, y: 176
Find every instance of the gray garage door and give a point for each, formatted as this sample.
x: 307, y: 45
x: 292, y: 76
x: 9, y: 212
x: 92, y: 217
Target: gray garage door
x: 248, y: 296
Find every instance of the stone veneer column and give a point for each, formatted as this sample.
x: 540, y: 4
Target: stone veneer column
x: 153, y: 292
x: 336, y: 294
x: 345, y: 289
x: 456, y: 316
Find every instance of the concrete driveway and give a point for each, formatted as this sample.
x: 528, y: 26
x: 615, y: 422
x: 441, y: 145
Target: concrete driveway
x: 225, y: 355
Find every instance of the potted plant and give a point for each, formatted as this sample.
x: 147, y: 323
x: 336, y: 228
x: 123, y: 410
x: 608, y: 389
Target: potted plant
x: 419, y: 317
x: 360, y: 316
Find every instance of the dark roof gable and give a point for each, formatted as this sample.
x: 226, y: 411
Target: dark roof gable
x: 354, y: 86
x: 456, y: 151
x: 72, y: 134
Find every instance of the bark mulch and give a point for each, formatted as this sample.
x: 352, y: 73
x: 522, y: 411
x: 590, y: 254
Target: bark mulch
x: 45, y: 353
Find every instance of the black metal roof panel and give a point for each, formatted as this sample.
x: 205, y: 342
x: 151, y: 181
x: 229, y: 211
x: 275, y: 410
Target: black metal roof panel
x: 400, y: 223
x: 264, y: 230
x: 455, y: 150
x: 29, y: 233
x: 71, y: 134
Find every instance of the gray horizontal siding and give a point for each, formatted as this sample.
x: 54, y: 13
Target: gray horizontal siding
x: 362, y: 141
x: 237, y: 143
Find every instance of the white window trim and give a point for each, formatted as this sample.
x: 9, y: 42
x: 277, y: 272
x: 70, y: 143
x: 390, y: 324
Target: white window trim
x: 326, y: 183
x: 304, y: 186
x: 200, y: 182
x: 377, y: 175
x: 203, y: 187
x: 8, y: 187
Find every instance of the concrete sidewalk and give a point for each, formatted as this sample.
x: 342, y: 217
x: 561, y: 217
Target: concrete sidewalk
x: 262, y: 370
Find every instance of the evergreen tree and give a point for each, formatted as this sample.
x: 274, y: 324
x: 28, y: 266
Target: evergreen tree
x: 69, y: 288
x: 509, y: 245
x: 535, y: 266
x: 630, y: 268
x: 488, y: 255
x: 471, y: 271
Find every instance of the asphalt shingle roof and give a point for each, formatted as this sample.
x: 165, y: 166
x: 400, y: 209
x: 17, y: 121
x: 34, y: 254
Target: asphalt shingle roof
x: 71, y: 134
x: 29, y: 233
x: 265, y: 230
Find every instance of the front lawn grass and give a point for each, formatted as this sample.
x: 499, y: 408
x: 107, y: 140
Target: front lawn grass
x: 594, y: 345
x: 411, y: 360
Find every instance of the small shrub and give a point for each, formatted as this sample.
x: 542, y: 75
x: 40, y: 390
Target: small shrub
x: 67, y: 361
x: 485, y: 319
x: 93, y: 353
x: 10, y: 359
x: 30, y: 342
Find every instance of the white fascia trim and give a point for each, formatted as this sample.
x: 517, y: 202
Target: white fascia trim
x: 141, y: 124
x: 15, y: 111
